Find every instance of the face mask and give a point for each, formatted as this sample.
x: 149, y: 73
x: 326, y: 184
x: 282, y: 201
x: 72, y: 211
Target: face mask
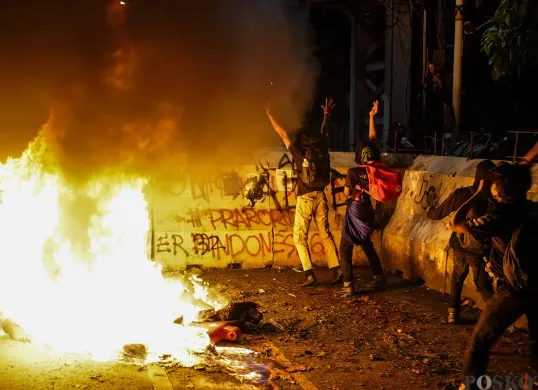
x: 367, y: 155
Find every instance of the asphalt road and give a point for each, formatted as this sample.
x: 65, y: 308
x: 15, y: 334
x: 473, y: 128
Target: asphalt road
x: 397, y: 339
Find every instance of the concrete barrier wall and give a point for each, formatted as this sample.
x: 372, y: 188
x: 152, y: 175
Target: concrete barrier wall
x: 416, y: 245
x: 209, y: 221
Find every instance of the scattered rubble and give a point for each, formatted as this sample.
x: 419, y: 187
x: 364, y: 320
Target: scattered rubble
x: 135, y: 351
x: 236, y: 311
x: 365, y: 341
x: 398, y: 334
x: 276, y: 325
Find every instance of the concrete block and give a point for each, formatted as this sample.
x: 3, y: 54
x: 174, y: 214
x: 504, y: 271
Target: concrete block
x: 418, y: 246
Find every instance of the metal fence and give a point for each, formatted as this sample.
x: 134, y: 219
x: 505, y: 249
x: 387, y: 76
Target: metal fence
x: 437, y: 145
x: 517, y: 133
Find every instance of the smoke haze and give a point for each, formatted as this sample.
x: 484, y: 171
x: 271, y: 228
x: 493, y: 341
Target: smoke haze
x: 158, y: 81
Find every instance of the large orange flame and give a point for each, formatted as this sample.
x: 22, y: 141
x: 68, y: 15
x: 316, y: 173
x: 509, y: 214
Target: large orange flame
x: 117, y: 295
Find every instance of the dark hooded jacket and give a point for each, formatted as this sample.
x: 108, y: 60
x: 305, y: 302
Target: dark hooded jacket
x: 482, y: 206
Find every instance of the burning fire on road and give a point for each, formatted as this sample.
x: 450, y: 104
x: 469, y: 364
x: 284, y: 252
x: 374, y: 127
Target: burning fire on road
x: 101, y: 295
x: 75, y: 272
x: 102, y: 292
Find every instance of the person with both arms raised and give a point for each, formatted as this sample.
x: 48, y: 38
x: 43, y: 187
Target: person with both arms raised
x: 312, y: 161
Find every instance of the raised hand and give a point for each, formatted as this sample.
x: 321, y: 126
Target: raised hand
x: 329, y: 105
x: 375, y: 109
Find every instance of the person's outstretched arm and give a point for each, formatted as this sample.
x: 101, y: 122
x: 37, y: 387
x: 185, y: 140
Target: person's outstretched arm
x: 327, y: 108
x: 458, y: 222
x: 372, y: 132
x: 279, y: 130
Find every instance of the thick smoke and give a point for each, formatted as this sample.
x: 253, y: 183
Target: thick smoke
x: 155, y: 83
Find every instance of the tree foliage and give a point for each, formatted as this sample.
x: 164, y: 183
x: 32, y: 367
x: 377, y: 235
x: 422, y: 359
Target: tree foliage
x: 511, y: 38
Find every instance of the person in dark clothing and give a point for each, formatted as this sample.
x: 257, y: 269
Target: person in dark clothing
x: 467, y: 252
x: 509, y: 189
x: 435, y: 96
x: 439, y: 115
x: 312, y: 202
x: 360, y: 215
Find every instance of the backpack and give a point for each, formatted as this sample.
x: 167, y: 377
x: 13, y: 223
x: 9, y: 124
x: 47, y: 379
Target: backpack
x: 467, y: 241
x: 317, y: 173
x: 519, y: 262
x: 385, y: 183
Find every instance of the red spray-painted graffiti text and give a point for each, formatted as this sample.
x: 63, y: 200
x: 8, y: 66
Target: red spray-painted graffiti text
x: 233, y: 245
x: 246, y: 218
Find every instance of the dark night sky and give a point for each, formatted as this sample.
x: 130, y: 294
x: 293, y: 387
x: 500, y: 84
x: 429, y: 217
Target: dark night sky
x: 45, y: 44
x: 203, y: 72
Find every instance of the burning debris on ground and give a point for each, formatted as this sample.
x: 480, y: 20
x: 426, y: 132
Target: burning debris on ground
x: 242, y: 312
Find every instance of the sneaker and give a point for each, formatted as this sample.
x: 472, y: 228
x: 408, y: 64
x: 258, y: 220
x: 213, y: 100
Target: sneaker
x: 310, y: 280
x: 348, y: 289
x: 379, y: 283
x: 338, y: 275
x: 453, y: 316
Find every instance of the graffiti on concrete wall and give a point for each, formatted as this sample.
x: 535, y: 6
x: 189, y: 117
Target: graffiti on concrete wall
x: 256, y: 188
x: 170, y: 243
x: 236, y: 218
x: 274, y: 186
x: 337, y: 189
x: 428, y: 193
x: 201, y: 187
x: 270, y: 184
x: 285, y: 161
x: 242, y: 216
x: 219, y: 245
x: 204, y: 243
x: 427, y: 196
